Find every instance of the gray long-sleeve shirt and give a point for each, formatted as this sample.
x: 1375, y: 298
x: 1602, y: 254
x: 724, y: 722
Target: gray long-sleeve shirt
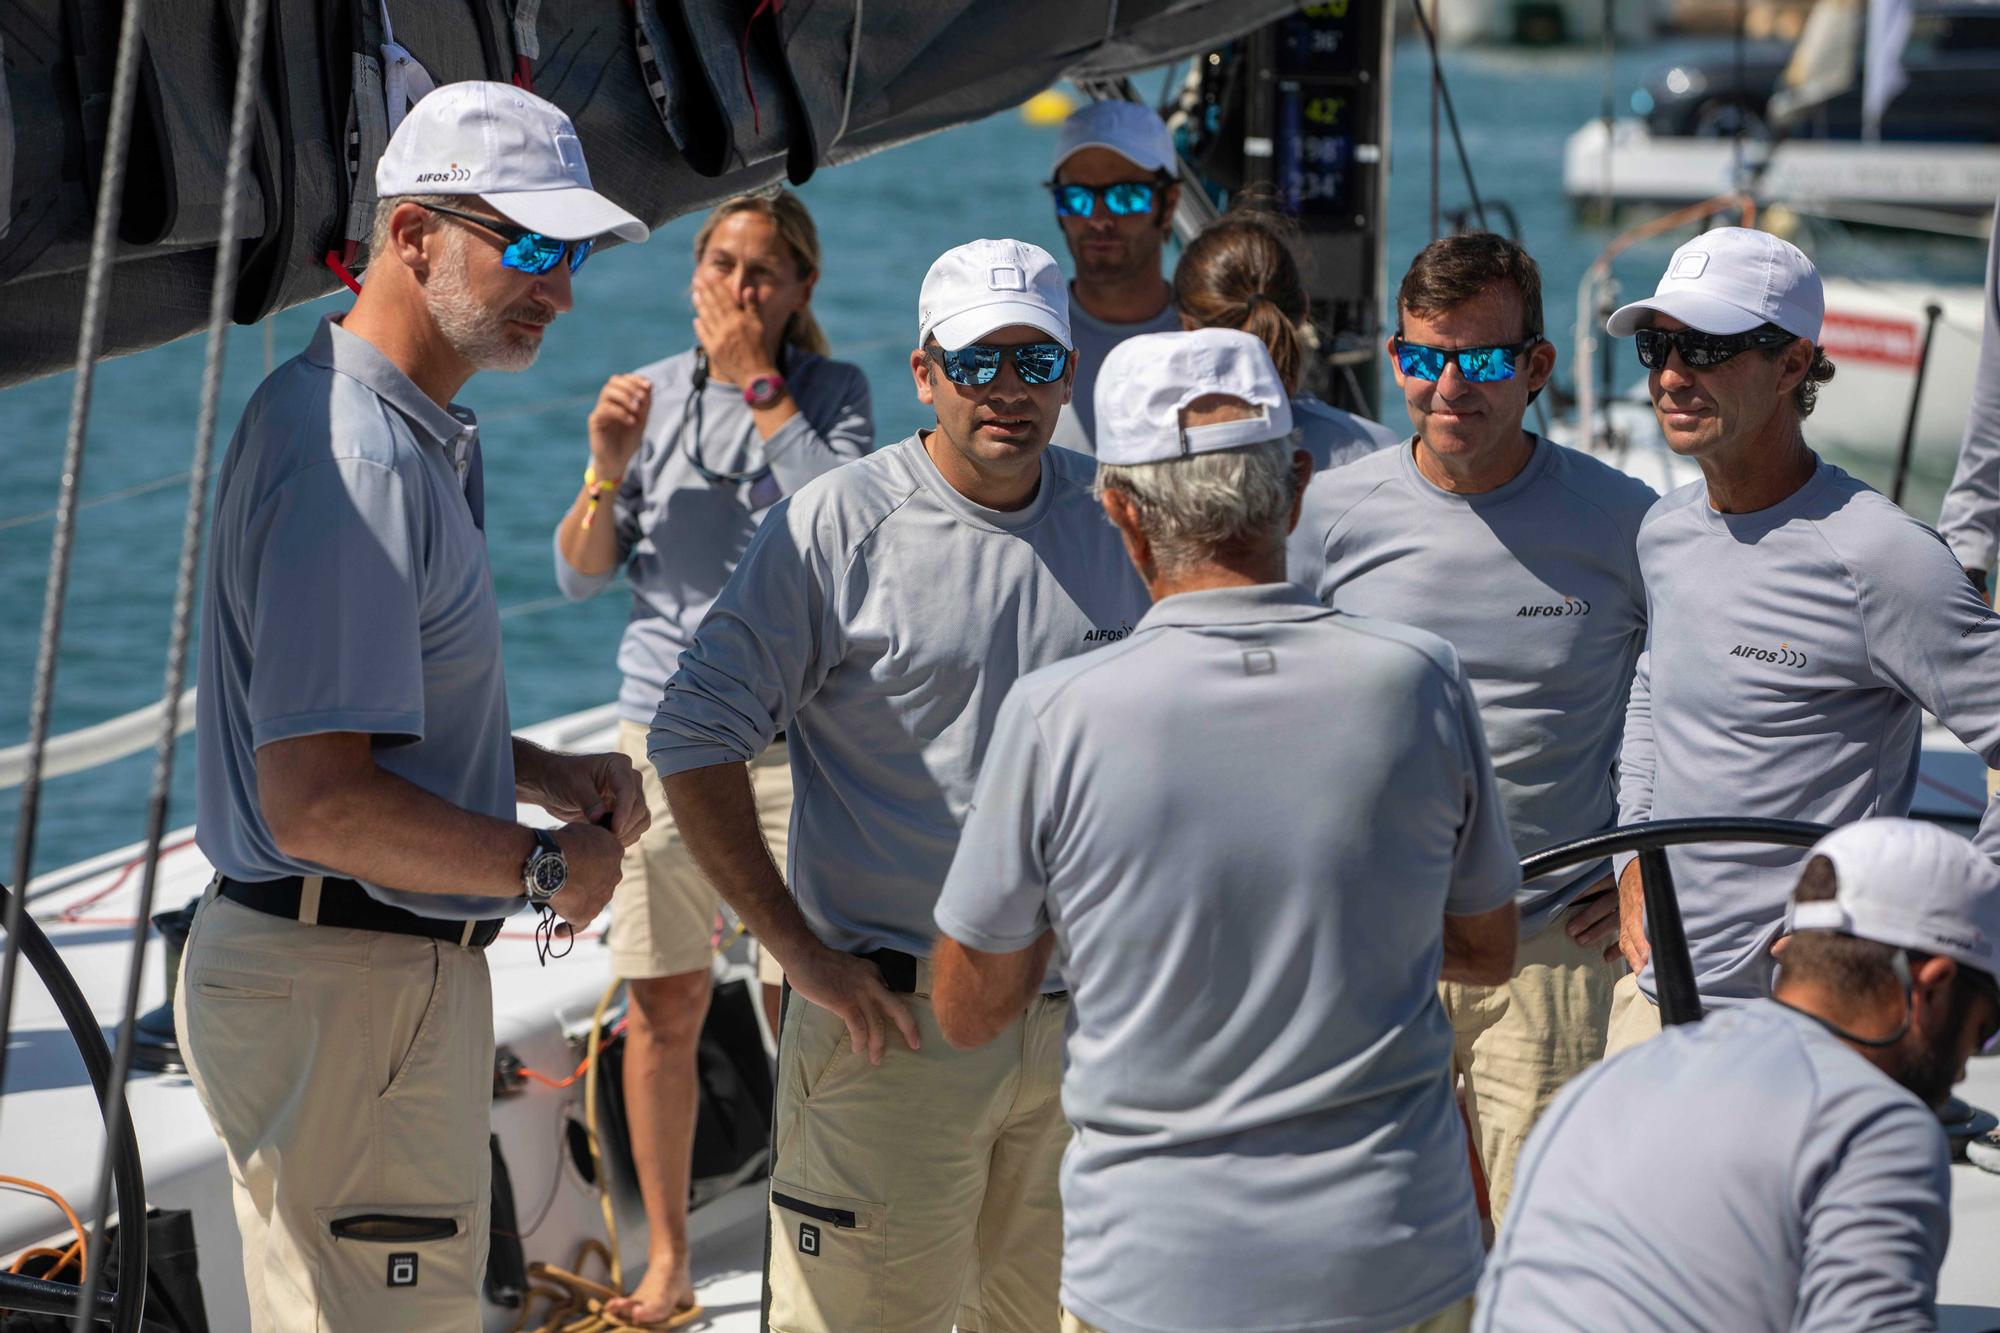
x: 1750, y: 1173
x: 680, y: 534
x: 1970, y: 519
x: 1792, y: 653
x: 879, y: 618
x: 1536, y: 584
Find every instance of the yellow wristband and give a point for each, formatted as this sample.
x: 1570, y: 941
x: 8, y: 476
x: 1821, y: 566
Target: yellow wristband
x: 597, y: 488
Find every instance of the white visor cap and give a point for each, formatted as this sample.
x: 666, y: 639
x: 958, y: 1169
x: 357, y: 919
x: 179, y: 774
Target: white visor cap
x: 986, y: 285
x: 1147, y: 380
x: 1731, y: 280
x: 516, y: 150
x: 1909, y: 885
x: 1128, y: 129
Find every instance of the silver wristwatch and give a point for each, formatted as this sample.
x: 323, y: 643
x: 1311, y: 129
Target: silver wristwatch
x: 546, y: 870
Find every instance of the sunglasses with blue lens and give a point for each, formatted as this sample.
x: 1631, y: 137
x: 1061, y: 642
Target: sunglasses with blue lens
x: 526, y: 251
x: 1480, y: 365
x: 979, y: 364
x: 1123, y: 200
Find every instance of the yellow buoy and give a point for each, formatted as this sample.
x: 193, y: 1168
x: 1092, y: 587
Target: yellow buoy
x: 1051, y: 106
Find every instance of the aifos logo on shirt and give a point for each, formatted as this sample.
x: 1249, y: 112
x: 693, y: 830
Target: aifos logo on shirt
x: 1569, y: 606
x: 1784, y: 655
x: 1108, y: 635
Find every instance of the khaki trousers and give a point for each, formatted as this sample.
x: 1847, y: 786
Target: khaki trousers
x: 663, y: 911
x: 349, y: 1074
x: 1454, y: 1318
x: 1634, y: 1018
x: 923, y: 1192
x: 1517, y: 1045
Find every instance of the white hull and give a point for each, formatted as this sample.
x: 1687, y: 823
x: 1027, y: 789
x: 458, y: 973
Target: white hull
x: 1838, y: 177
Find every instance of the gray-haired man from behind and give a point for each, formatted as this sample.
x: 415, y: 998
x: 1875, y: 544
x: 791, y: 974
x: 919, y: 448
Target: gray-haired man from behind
x: 1780, y: 1165
x: 357, y: 775
x: 1253, y: 835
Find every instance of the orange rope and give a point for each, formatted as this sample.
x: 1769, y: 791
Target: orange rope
x: 66, y: 1257
x: 582, y: 1068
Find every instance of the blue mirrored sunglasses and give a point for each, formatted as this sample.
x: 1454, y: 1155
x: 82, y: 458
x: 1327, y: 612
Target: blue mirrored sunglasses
x: 526, y: 251
x: 978, y: 363
x: 1123, y: 200
x: 1480, y: 365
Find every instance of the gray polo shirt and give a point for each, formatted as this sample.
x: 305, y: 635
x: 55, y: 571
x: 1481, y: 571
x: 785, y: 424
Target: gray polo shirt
x: 1536, y: 584
x: 1970, y: 519
x: 680, y: 533
x: 1793, y: 652
x: 1245, y: 824
x: 348, y: 591
x: 1750, y: 1173
x: 878, y: 619
x: 1077, y: 427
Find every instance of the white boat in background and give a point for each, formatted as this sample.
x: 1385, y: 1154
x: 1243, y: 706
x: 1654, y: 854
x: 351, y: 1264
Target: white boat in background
x: 1623, y: 163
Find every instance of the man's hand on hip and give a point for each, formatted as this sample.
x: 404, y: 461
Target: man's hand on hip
x: 852, y: 990
x: 1593, y: 918
x: 595, y: 858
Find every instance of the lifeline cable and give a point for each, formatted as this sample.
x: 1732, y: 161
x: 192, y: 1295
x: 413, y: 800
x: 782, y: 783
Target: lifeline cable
x: 222, y: 297
x: 89, y: 342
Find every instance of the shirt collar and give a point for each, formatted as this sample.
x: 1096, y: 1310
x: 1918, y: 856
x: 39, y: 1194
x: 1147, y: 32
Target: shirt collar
x: 1256, y: 604
x: 351, y: 355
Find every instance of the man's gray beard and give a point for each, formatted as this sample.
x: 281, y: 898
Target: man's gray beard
x: 474, y: 332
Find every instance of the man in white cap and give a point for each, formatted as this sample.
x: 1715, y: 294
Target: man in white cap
x: 1252, y: 836
x: 1522, y: 554
x: 878, y: 618
x: 1116, y: 183
x: 357, y: 776
x: 1799, y: 623
x: 1778, y: 1166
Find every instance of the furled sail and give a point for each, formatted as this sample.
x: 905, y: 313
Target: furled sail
x: 678, y: 102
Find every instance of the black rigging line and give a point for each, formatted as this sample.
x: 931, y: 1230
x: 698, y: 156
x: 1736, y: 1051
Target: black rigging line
x: 1450, y: 114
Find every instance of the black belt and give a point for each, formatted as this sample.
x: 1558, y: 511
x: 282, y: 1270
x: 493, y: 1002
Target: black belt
x: 344, y: 903
x: 899, y: 973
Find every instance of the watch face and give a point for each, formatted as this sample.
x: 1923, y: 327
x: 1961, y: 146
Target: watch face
x: 549, y: 873
x: 764, y: 390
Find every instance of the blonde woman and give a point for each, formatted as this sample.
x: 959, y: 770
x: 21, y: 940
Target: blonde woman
x: 686, y: 457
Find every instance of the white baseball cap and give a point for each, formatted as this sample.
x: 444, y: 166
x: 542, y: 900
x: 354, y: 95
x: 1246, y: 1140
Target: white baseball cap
x: 986, y: 285
x: 1146, y: 380
x: 1910, y: 885
x: 1731, y: 280
x: 1128, y: 129
x: 517, y: 151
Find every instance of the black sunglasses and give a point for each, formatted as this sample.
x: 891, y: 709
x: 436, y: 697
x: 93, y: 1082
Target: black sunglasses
x: 1701, y: 350
x: 526, y: 251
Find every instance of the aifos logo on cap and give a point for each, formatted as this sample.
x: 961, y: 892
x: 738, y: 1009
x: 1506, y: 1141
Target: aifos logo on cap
x: 452, y: 174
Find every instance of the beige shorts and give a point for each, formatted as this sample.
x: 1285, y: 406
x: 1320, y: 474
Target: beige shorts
x: 1454, y: 1318
x: 1634, y: 1018
x: 960, y: 1148
x: 1517, y: 1045
x: 349, y: 1074
x: 663, y: 911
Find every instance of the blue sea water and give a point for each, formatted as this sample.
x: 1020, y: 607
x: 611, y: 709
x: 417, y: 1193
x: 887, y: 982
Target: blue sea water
x: 882, y: 220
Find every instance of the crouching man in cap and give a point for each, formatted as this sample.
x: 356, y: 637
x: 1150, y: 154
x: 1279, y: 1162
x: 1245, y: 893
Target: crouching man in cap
x: 357, y: 775
x: 1252, y: 836
x: 1778, y: 1166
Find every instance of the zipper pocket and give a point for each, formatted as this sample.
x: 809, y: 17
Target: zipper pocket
x: 840, y: 1217
x: 389, y: 1228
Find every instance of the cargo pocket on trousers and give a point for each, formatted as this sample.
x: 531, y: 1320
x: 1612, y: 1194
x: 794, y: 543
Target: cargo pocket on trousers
x: 827, y: 1257
x: 396, y: 1266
